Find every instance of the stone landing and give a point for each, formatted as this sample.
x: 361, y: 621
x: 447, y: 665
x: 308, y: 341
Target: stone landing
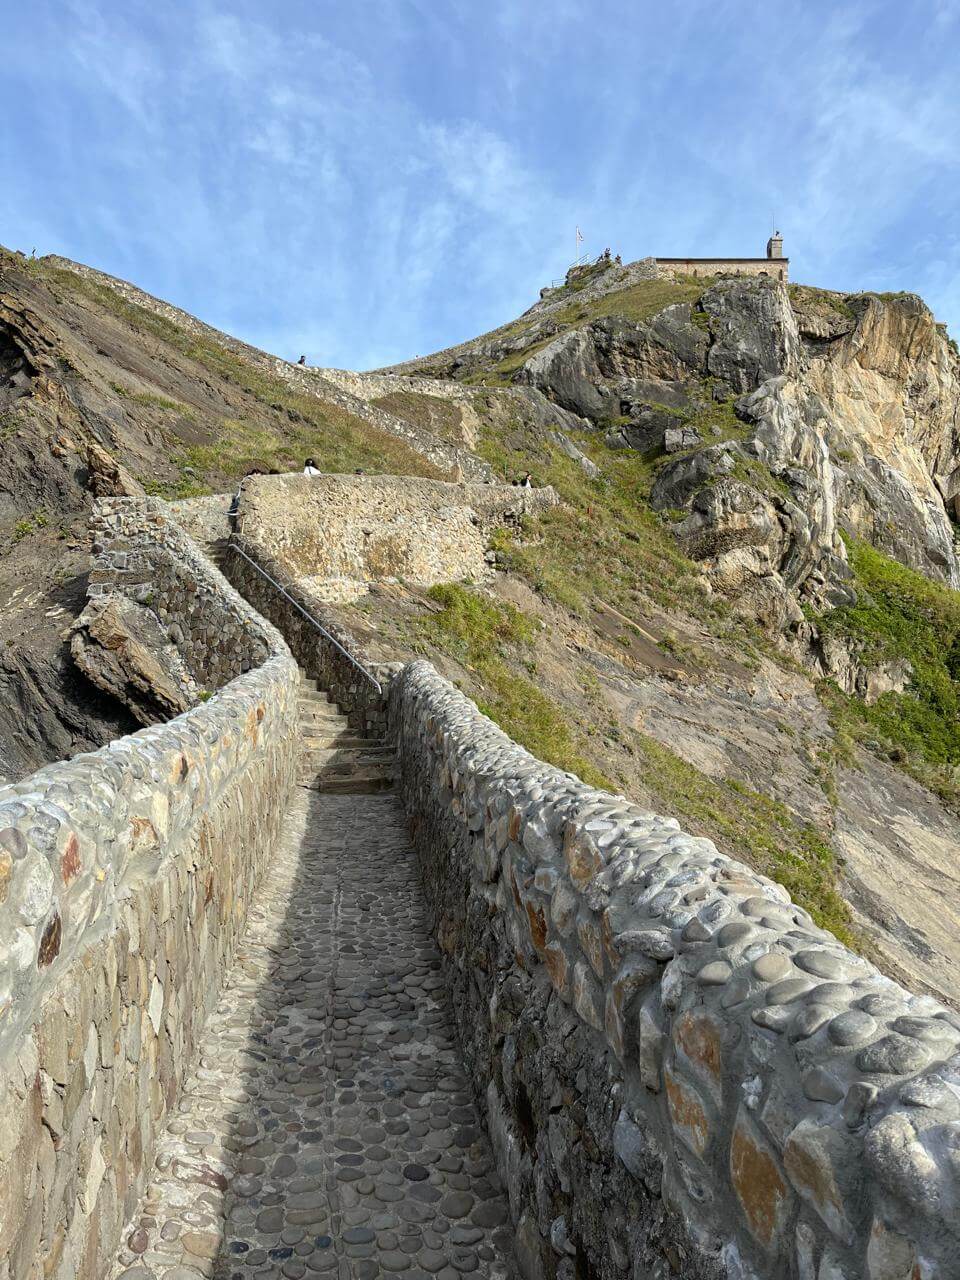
x: 328, y: 1128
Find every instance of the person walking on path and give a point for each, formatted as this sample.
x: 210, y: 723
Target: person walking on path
x: 310, y: 468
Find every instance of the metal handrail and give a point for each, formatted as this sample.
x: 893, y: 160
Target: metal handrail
x: 310, y: 618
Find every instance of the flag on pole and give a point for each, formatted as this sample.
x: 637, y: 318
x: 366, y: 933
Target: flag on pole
x: 579, y: 236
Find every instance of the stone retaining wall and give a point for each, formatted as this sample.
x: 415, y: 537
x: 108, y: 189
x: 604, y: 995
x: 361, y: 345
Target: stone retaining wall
x: 682, y: 1074
x: 376, y: 528
x: 125, y: 880
x: 356, y: 697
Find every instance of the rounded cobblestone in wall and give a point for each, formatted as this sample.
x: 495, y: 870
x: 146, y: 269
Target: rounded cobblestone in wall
x: 819, y: 1049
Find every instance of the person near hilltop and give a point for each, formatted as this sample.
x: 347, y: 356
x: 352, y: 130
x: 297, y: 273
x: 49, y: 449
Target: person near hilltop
x: 302, y: 360
x: 310, y: 468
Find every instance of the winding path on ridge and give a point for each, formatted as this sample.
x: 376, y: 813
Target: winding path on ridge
x: 328, y: 1128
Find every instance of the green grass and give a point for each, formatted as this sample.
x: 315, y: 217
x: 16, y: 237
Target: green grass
x: 149, y: 400
x: 823, y: 299
x: 30, y: 524
x: 185, y: 486
x: 638, y: 302
x: 481, y: 634
x: 756, y: 829
x: 603, y: 544
x: 900, y: 614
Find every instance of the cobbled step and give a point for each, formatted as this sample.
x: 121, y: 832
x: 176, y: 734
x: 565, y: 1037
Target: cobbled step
x: 316, y: 714
x: 326, y: 741
x: 336, y: 758
x: 315, y: 697
x: 352, y: 758
x: 351, y: 784
x: 342, y: 768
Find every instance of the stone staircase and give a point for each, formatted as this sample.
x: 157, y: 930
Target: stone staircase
x: 335, y: 758
x: 217, y: 552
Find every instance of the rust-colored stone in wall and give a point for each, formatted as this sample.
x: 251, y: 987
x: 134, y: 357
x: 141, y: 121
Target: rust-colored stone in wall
x: 811, y: 1157
x: 760, y: 1186
x: 697, y: 1035
x: 538, y: 924
x: 688, y: 1112
x: 70, y: 860
x: 555, y: 959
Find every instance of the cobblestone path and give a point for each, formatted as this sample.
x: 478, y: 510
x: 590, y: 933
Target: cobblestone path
x: 328, y: 1128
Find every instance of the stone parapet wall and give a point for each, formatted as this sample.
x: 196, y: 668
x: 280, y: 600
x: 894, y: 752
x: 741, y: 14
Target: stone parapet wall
x: 682, y: 1074
x: 125, y: 880
x: 143, y: 554
x: 376, y: 528
x: 206, y: 520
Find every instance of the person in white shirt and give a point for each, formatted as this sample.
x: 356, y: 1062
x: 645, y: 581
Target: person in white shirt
x: 310, y: 468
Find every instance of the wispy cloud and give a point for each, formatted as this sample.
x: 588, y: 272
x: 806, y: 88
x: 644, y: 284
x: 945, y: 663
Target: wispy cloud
x: 364, y: 182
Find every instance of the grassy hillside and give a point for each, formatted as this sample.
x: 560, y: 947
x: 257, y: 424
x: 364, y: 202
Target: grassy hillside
x: 902, y: 616
x: 532, y: 331
x: 281, y: 426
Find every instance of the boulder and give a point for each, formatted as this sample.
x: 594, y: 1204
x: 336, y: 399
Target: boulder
x: 122, y: 647
x: 106, y: 478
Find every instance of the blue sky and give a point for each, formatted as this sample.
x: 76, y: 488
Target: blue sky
x: 371, y: 180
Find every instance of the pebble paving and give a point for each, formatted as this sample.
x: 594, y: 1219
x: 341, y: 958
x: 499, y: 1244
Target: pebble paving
x: 328, y: 1128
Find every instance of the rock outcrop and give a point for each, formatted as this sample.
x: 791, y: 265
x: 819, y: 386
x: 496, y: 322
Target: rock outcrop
x: 842, y: 413
x: 122, y: 647
x: 107, y: 478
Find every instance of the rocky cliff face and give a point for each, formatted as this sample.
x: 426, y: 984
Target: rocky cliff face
x: 843, y: 414
x: 100, y: 395
x: 779, y: 435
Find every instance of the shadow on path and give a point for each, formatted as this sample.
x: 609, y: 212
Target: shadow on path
x: 329, y: 1127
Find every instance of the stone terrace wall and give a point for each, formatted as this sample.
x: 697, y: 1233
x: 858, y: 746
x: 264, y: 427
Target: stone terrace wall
x: 125, y: 880
x: 683, y: 1075
x: 775, y: 267
x: 372, y: 528
x: 364, y: 707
